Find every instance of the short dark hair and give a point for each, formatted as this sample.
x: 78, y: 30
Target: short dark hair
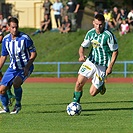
x: 100, y: 17
x: 12, y: 19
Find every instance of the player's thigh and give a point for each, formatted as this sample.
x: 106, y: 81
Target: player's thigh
x: 17, y: 82
x: 99, y: 75
x: 93, y: 90
x: 87, y: 69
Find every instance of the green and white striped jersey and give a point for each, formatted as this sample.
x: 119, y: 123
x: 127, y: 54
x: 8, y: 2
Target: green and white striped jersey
x: 102, y: 46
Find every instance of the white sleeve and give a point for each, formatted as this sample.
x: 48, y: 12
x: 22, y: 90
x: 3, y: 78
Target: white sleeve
x: 86, y: 43
x: 112, y: 43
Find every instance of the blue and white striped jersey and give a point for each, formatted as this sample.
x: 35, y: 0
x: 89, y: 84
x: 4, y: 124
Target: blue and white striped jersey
x: 19, y: 49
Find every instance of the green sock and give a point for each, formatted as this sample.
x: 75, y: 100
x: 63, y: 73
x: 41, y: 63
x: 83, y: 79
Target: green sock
x: 77, y: 96
x: 9, y: 93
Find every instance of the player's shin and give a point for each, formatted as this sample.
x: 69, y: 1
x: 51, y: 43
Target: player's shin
x: 18, y: 95
x: 9, y: 93
x: 4, y: 100
x: 77, y: 96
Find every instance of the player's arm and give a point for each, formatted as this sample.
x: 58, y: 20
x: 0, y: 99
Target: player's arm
x: 30, y: 62
x: 81, y: 54
x: 2, y: 61
x: 113, y: 59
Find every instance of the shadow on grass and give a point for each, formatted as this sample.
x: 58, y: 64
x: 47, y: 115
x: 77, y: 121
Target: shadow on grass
x: 83, y: 110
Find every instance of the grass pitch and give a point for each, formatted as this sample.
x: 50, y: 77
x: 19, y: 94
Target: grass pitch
x: 44, y: 110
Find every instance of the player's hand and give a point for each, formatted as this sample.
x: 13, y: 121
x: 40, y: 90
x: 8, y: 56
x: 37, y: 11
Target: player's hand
x: 108, y: 71
x: 82, y: 58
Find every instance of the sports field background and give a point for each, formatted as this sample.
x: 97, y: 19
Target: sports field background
x: 44, y: 110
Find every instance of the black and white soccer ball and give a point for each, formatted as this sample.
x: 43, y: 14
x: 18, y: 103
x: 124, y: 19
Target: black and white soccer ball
x: 74, y: 108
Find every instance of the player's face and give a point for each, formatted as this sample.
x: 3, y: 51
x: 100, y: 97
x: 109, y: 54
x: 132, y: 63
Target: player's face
x: 98, y: 25
x: 13, y: 28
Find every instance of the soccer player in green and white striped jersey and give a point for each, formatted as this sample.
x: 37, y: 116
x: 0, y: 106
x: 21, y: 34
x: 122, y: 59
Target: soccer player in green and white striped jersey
x: 100, y: 61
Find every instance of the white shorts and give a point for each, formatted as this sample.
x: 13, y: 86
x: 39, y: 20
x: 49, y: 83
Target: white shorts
x: 96, y: 72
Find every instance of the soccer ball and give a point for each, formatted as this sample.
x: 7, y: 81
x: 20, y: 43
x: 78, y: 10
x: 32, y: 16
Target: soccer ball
x: 74, y: 108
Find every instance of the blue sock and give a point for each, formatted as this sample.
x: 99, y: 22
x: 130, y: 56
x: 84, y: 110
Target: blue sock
x: 18, y: 95
x: 4, y: 99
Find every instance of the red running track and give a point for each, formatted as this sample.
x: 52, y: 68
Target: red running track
x: 73, y: 80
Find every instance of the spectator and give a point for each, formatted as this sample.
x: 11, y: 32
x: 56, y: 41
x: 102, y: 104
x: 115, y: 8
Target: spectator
x: 66, y: 25
x: 58, y: 11
x: 116, y: 17
x: 130, y: 17
x: 95, y: 12
x: 123, y: 14
x: 44, y: 25
x: 2, y: 32
x: 124, y: 27
x: 72, y: 7
x: 108, y: 19
x: 47, y: 7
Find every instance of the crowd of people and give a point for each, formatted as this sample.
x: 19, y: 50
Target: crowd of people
x: 65, y: 16
x: 119, y: 19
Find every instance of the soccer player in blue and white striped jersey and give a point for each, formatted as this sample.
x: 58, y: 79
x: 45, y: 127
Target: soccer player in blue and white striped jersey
x: 22, y: 52
x: 100, y: 61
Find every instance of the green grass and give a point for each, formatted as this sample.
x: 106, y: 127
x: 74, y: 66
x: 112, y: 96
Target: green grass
x: 44, y: 110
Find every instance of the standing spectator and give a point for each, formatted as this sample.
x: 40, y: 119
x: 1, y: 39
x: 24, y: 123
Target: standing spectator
x: 66, y: 25
x: 22, y: 52
x: 72, y: 8
x: 58, y: 11
x: 130, y: 17
x: 47, y: 7
x: 116, y: 17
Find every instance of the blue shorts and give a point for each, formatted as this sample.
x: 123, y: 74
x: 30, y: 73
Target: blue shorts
x: 10, y: 75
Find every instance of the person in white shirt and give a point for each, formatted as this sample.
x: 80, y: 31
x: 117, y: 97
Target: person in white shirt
x: 58, y: 11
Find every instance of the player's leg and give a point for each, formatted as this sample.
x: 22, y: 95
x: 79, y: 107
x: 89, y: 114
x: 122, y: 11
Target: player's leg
x: 85, y: 72
x: 93, y: 90
x: 11, y: 97
x: 17, y: 82
x: 98, y: 81
x: 18, y: 94
x: 4, y: 99
x: 79, y: 88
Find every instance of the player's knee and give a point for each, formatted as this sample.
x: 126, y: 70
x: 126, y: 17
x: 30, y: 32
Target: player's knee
x: 79, y: 85
x: 16, y: 85
x: 93, y: 92
x: 2, y: 92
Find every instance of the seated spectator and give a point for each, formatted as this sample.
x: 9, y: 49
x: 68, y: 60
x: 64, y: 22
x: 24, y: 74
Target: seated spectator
x: 124, y: 27
x: 123, y: 14
x: 108, y: 19
x: 116, y: 17
x: 66, y: 25
x: 44, y: 25
x: 130, y: 17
